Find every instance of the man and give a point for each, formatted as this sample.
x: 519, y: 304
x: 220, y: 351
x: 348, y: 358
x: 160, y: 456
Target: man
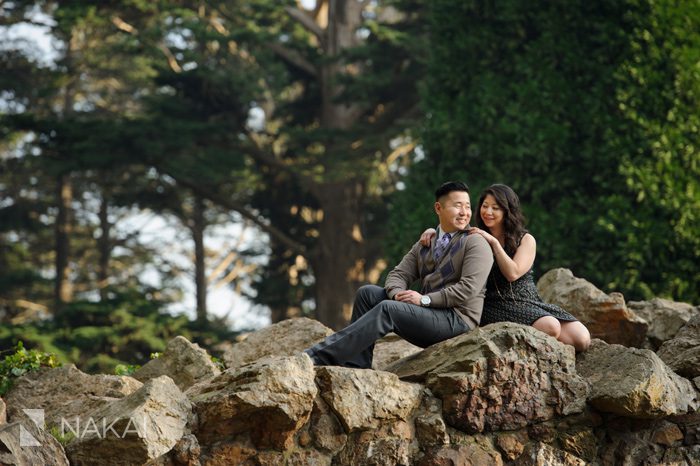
x: 452, y: 273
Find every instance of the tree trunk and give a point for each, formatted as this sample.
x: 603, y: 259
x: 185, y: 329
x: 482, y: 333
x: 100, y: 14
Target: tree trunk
x: 200, y: 278
x: 63, y: 288
x: 104, y: 246
x: 339, y: 261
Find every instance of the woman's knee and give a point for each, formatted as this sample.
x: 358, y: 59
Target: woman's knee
x: 548, y: 325
x: 577, y: 335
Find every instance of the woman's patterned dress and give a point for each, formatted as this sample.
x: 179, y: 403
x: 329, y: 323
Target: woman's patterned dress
x: 516, y: 301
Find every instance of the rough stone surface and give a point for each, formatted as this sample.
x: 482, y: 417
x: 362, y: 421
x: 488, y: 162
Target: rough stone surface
x: 391, y: 348
x: 634, y: 382
x: 512, y: 445
x: 23, y: 443
x: 606, y: 316
x: 431, y: 430
x: 664, y: 317
x: 184, y: 362
x: 681, y: 456
x: 469, y: 451
x: 390, y: 444
x: 145, y: 425
x: 500, y: 377
x: 629, y: 446
x: 326, y: 431
x: 3, y: 412
x: 541, y: 454
x: 271, y: 398
x: 363, y: 399
x: 186, y: 451
x: 285, y: 338
x: 582, y: 444
x: 79, y: 393
x: 682, y: 353
x: 667, y: 434
x: 690, y: 426
x: 291, y: 458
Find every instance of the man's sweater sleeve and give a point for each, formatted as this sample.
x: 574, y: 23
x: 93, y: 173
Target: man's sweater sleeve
x: 476, y: 265
x: 404, y: 274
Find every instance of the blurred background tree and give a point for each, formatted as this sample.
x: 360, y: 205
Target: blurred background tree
x: 323, y: 128
x: 589, y: 111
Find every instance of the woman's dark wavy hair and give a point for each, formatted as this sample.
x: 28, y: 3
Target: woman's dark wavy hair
x: 513, y: 219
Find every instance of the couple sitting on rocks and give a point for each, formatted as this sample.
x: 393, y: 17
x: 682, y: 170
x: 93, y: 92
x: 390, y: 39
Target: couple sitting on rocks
x: 462, y: 270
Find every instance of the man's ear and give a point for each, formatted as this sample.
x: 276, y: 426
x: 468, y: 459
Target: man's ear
x: 438, y: 207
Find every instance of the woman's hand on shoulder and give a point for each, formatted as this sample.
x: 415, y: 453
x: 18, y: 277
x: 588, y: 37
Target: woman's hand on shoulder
x: 486, y: 235
x: 427, y: 236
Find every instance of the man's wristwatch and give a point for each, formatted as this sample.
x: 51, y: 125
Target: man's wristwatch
x: 425, y: 301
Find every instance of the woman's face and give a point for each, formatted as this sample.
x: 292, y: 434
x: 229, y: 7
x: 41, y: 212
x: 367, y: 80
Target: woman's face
x: 491, y: 212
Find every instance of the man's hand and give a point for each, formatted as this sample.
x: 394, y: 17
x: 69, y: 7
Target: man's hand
x: 408, y: 296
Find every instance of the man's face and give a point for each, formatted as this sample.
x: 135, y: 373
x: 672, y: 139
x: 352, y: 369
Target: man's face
x: 454, y: 211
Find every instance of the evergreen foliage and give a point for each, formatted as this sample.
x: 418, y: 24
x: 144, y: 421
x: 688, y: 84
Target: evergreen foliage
x: 125, y: 330
x: 589, y: 111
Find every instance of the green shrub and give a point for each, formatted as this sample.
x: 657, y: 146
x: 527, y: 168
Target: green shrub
x: 21, y: 362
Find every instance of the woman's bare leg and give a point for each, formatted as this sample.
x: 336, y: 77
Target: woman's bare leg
x: 548, y: 325
x: 575, y: 334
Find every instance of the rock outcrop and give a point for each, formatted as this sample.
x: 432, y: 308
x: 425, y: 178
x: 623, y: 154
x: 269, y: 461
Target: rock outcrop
x: 665, y: 318
x: 504, y: 394
x: 184, y: 362
x: 364, y: 400
x: 495, y: 378
x: 135, y: 429
x: 605, y: 315
x: 682, y: 353
x: 272, y: 399
x: 24, y: 443
x: 391, y: 348
x: 285, y: 338
x: 634, y: 383
x: 78, y: 394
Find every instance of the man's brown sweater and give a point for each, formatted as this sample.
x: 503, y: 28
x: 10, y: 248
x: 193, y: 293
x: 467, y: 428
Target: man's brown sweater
x: 457, y: 280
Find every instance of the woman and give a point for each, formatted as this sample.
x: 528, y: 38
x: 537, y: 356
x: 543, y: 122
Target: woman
x: 511, y: 293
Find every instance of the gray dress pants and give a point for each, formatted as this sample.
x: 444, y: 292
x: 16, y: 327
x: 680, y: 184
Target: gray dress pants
x: 373, y: 316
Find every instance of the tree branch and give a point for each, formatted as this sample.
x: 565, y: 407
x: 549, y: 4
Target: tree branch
x: 230, y: 204
x: 123, y: 25
x: 263, y: 157
x: 294, y: 58
x: 306, y: 21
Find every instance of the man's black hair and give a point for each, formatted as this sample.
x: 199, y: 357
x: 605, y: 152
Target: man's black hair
x: 450, y: 186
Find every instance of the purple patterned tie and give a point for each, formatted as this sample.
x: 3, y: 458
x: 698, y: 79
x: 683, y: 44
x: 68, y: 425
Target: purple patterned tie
x: 441, y: 245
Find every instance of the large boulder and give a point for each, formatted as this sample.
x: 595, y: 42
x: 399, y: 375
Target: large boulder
x: 634, y: 382
x: 133, y: 430
x: 665, y: 317
x: 24, y: 443
x: 682, y: 353
x: 285, y: 338
x: 270, y: 399
x: 391, y: 348
x: 184, y: 362
x: 605, y: 315
x: 364, y: 399
x: 78, y: 393
x: 499, y: 377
